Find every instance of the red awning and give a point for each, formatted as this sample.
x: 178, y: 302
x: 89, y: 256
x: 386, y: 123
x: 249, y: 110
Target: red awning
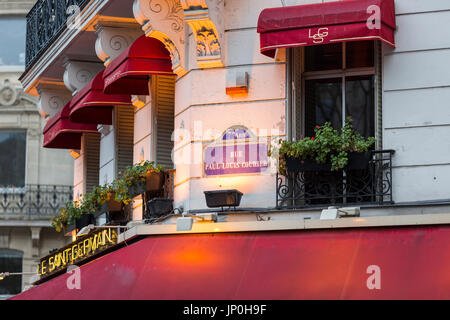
x: 61, y: 133
x: 129, y: 73
x: 321, y: 264
x: 324, y: 23
x: 91, y: 105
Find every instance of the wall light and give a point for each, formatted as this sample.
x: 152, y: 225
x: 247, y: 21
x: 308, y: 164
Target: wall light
x: 5, y: 275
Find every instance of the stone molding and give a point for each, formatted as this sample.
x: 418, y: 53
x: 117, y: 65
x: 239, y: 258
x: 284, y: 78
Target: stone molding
x: 112, y: 41
x: 53, y: 97
x: 79, y: 73
x: 165, y: 20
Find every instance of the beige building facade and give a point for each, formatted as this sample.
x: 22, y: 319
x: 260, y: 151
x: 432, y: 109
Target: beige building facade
x: 34, y: 182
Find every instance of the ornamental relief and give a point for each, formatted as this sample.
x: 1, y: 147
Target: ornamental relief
x: 165, y: 21
x: 207, y: 43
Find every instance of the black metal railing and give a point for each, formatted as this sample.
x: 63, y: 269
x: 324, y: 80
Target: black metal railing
x: 33, y: 201
x: 45, y: 21
x: 372, y: 185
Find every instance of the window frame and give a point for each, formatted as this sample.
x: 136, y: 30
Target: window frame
x: 15, y: 189
x: 297, y: 78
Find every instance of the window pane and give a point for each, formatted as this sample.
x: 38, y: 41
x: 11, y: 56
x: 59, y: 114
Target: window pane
x: 360, y: 103
x: 12, y: 158
x: 12, y: 32
x: 11, y: 261
x: 323, y: 57
x: 323, y: 103
x: 360, y: 54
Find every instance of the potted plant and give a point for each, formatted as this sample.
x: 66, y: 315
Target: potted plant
x: 141, y: 178
x: 67, y: 217
x: 328, y: 150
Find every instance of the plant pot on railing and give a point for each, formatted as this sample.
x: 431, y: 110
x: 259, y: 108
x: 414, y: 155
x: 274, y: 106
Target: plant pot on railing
x: 359, y: 160
x: 85, y: 220
x: 307, y: 165
x: 154, y: 182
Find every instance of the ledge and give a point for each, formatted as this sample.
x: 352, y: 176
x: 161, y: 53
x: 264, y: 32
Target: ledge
x: 284, y: 225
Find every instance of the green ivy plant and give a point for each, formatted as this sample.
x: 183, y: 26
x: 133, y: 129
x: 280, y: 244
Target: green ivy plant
x: 132, y: 176
x: 117, y: 190
x: 328, y: 145
x: 67, y: 215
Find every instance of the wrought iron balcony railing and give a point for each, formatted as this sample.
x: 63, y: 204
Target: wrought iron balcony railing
x: 33, y: 201
x: 45, y: 21
x: 373, y: 185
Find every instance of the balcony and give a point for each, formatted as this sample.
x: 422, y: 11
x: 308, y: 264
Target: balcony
x: 370, y: 186
x: 45, y: 22
x: 33, y: 202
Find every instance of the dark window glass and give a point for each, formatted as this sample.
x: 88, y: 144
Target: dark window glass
x: 323, y: 103
x: 324, y: 57
x: 12, y: 33
x: 12, y: 158
x: 360, y: 103
x: 360, y: 54
x: 11, y: 261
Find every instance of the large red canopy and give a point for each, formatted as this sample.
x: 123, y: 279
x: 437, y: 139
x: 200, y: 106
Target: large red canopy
x: 323, y: 23
x: 129, y: 73
x: 61, y: 133
x: 412, y: 262
x: 93, y: 106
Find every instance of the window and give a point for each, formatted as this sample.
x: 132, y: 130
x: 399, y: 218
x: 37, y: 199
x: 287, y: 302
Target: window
x: 11, y: 261
x: 12, y: 32
x: 339, y: 83
x: 12, y: 158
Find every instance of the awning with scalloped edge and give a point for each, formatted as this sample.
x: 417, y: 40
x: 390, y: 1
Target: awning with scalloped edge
x: 324, y: 23
x: 130, y: 72
x: 92, y: 105
x: 61, y: 133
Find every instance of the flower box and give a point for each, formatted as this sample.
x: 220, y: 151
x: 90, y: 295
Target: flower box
x: 359, y: 160
x: 308, y: 165
x: 356, y: 161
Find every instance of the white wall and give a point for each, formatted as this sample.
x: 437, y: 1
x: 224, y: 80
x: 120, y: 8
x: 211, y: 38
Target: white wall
x: 416, y: 91
x: 201, y: 101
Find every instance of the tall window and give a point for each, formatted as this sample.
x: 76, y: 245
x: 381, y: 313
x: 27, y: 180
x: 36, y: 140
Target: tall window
x: 12, y: 158
x: 339, y: 83
x: 12, y: 35
x: 11, y: 261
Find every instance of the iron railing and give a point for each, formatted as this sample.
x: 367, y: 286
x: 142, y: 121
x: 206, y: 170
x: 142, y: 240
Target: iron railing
x: 346, y: 187
x: 33, y: 201
x: 45, y: 21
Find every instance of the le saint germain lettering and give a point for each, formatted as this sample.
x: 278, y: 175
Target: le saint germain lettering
x: 78, y: 251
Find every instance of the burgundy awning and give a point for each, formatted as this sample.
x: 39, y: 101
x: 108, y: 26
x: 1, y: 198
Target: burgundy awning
x: 91, y: 105
x: 129, y: 73
x: 323, y: 264
x: 61, y: 133
x: 324, y: 23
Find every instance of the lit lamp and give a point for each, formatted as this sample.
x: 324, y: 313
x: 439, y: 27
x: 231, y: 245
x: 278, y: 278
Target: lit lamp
x: 5, y: 275
x: 223, y: 198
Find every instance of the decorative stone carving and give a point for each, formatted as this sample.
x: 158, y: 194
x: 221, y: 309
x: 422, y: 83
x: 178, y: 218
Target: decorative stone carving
x: 205, y: 17
x: 112, y: 41
x: 164, y: 20
x: 79, y: 73
x: 9, y: 95
x: 53, y: 98
x: 35, y: 237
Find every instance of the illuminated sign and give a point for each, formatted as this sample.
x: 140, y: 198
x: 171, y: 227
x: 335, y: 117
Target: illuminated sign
x: 237, y: 151
x: 76, y: 252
